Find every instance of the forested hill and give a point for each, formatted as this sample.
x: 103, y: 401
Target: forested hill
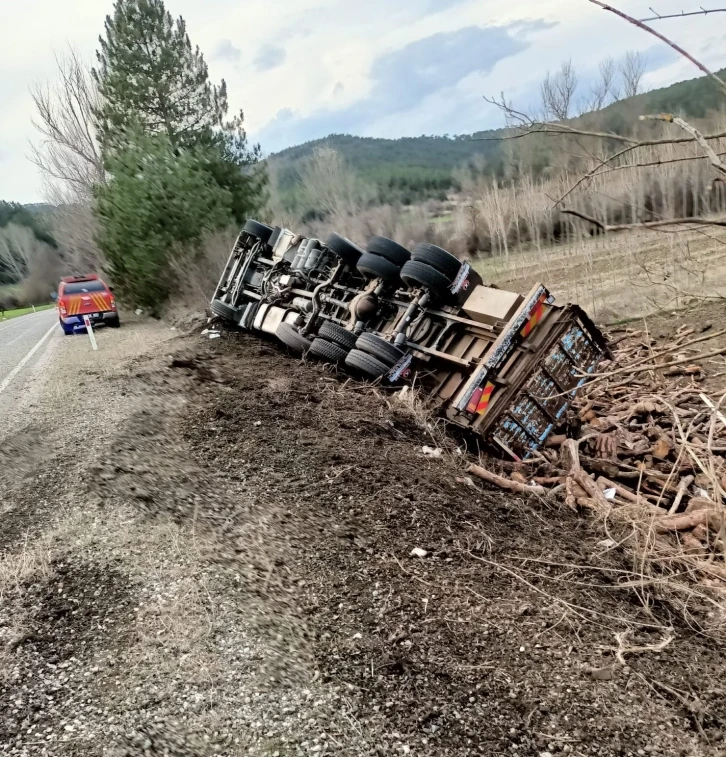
x: 415, y: 168
x: 410, y: 165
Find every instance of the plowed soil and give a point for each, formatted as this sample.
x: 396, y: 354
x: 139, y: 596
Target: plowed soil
x: 228, y: 570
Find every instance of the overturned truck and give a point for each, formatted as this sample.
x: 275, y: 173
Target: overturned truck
x: 502, y: 364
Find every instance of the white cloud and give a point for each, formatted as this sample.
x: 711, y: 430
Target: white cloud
x: 318, y: 62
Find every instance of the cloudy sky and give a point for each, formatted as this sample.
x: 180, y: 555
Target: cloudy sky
x: 302, y: 69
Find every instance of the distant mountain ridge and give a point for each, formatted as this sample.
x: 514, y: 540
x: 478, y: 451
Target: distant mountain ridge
x: 412, y: 168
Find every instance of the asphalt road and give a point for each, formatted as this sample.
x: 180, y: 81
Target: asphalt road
x: 23, y: 343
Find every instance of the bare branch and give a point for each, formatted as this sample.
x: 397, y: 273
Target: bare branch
x: 625, y: 150
x: 710, y: 152
x: 528, y: 125
x: 644, y: 224
x: 682, y: 14
x: 651, y: 163
x: 662, y: 38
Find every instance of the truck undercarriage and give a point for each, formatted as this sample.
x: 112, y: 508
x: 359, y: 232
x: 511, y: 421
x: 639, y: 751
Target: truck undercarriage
x: 504, y: 365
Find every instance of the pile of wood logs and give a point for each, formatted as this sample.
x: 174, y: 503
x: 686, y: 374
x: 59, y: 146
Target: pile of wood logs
x: 647, y: 432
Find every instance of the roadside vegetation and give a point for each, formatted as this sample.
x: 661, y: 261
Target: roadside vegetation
x: 6, y: 315
x: 142, y: 158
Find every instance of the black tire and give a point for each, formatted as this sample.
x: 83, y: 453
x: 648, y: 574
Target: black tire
x: 388, y: 249
x: 366, y: 364
x: 114, y: 323
x: 261, y: 231
x: 338, y: 335
x: 376, y: 267
x: 348, y: 252
x: 437, y: 258
x: 379, y: 348
x: 224, y: 311
x: 292, y: 339
x: 418, y: 275
x: 327, y: 351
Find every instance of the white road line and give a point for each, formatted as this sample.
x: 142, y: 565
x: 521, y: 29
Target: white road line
x: 19, y: 367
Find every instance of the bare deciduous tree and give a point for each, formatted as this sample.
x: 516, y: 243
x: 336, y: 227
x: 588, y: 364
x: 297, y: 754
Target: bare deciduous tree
x: 604, y: 90
x: 331, y: 186
x: 69, y: 157
x: 632, y: 70
x: 557, y: 92
x: 68, y: 152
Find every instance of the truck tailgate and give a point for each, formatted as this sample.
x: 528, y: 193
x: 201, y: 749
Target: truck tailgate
x: 541, y: 403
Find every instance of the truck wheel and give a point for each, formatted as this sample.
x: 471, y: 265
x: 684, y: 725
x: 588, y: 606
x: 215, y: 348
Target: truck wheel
x: 366, y: 364
x: 379, y: 348
x: 67, y: 331
x: 348, y: 252
x: 437, y: 258
x: 338, y: 335
x: 376, y: 267
x: 292, y: 339
x: 114, y: 323
x: 223, y: 310
x: 262, y: 231
x: 388, y: 249
x: 421, y: 276
x: 327, y: 351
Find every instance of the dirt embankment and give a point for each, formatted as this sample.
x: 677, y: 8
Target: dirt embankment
x: 229, y: 571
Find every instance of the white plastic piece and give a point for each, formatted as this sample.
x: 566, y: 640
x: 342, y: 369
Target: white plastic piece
x: 431, y: 451
x: 610, y: 493
x: 418, y: 552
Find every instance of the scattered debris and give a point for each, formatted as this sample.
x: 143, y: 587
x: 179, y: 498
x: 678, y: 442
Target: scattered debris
x: 649, y: 440
x: 431, y: 451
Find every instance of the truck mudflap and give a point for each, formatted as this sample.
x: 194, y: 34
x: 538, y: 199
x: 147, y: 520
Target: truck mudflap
x: 522, y: 428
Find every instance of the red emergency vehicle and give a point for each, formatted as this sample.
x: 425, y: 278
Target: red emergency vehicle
x: 80, y: 296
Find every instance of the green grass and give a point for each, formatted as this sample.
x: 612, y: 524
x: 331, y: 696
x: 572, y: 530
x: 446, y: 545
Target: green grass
x: 23, y: 311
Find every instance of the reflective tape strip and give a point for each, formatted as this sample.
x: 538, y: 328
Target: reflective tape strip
x: 535, y: 318
x: 486, y: 396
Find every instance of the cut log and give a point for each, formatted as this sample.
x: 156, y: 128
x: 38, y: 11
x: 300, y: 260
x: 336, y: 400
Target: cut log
x: 700, y: 503
x: 623, y: 491
x: 571, y: 457
x: 504, y: 483
x: 687, y: 521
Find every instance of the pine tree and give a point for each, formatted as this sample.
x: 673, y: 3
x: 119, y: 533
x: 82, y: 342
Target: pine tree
x: 149, y: 75
x: 178, y: 169
x: 156, y: 208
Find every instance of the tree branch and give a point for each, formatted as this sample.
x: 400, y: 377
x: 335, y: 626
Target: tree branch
x: 682, y: 14
x: 646, y: 143
x: 710, y: 152
x: 662, y: 38
x: 605, y: 228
